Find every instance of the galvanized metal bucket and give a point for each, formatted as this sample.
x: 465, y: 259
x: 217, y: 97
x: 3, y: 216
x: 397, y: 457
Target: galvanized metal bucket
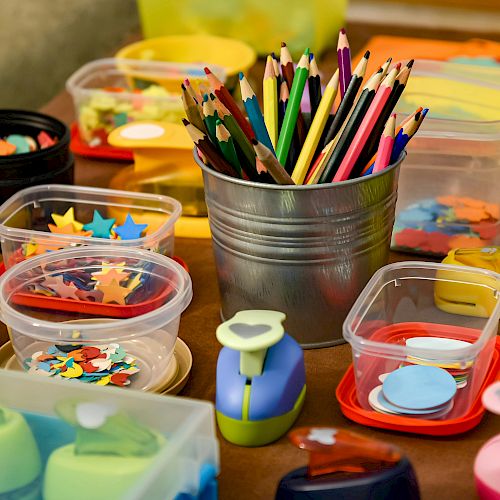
x: 307, y: 251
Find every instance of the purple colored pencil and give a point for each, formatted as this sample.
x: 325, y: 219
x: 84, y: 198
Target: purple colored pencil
x: 344, y: 59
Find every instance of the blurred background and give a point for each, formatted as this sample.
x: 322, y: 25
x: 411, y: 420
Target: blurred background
x: 43, y: 41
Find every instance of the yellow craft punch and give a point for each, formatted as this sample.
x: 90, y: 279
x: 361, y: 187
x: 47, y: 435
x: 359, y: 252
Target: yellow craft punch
x: 164, y: 164
x: 468, y: 293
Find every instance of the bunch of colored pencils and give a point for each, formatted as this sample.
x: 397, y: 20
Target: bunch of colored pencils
x: 358, y: 138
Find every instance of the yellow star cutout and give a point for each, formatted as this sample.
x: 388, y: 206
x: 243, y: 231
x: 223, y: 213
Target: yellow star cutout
x: 30, y: 248
x: 107, y: 266
x: 67, y: 218
x: 134, y: 282
x: 113, y: 293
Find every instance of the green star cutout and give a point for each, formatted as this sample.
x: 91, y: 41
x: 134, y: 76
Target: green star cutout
x: 100, y: 227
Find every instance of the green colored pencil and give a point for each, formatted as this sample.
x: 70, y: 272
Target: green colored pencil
x: 210, y: 118
x: 292, y: 110
x: 226, y: 145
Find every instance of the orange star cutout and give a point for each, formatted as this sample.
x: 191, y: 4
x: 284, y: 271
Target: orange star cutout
x: 106, y: 278
x: 113, y: 293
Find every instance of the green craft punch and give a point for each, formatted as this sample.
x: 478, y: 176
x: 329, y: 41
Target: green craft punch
x: 260, y: 387
x: 20, y: 463
x: 110, y: 453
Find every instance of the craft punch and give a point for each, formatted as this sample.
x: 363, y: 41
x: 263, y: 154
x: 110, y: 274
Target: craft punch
x: 260, y: 387
x: 349, y: 466
x: 465, y: 293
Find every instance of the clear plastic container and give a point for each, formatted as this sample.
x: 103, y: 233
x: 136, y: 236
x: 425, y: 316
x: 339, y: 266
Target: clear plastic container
x: 449, y: 183
x: 111, y: 92
x: 25, y: 219
x: 145, y: 325
x: 421, y: 299
x: 186, y: 465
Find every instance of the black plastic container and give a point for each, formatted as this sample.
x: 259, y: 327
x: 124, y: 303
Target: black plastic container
x: 54, y: 165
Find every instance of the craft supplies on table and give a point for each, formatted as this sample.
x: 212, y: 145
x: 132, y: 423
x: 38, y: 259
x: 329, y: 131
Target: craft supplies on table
x: 261, y: 380
x: 411, y: 358
x: 97, y: 314
x: 129, y: 445
x: 50, y: 217
x: 164, y: 164
x: 448, y: 192
x: 108, y: 93
x: 34, y: 149
x: 344, y: 464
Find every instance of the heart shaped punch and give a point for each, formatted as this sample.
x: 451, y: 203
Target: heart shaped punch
x: 245, y: 331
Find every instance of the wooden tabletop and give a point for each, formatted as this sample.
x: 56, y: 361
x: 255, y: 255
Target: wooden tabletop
x: 444, y: 466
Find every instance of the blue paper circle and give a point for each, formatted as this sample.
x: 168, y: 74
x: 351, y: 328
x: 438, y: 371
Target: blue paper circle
x: 418, y: 387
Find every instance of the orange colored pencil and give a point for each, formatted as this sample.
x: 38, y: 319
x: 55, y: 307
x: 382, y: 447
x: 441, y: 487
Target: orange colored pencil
x: 385, y: 146
x: 366, y: 127
x: 227, y: 99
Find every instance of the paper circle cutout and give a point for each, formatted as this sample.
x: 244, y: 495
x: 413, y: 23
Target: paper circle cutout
x: 142, y: 131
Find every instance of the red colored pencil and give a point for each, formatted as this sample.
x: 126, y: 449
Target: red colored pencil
x: 227, y: 99
x: 344, y: 59
x: 385, y: 146
x: 366, y: 127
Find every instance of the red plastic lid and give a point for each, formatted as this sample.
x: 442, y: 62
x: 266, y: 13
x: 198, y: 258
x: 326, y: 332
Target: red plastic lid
x: 79, y: 147
x: 346, y: 396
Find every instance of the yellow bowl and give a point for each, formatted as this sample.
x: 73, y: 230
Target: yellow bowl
x: 232, y: 55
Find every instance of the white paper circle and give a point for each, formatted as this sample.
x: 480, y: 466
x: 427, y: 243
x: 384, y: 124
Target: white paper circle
x: 141, y: 131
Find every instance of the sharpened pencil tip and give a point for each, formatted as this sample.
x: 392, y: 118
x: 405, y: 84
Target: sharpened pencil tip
x: 255, y: 142
x: 283, y: 44
x: 311, y: 57
x: 183, y: 87
x: 241, y: 75
x: 207, y: 71
x: 187, y: 83
x: 425, y: 111
x: 186, y: 122
x: 342, y: 30
x: 367, y: 54
x: 410, y: 63
x: 306, y: 52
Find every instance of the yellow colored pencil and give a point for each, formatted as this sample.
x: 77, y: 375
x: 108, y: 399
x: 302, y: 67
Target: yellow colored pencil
x: 271, y: 101
x: 317, y: 126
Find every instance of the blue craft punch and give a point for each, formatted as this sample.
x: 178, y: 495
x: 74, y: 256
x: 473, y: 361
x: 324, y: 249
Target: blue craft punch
x: 260, y: 385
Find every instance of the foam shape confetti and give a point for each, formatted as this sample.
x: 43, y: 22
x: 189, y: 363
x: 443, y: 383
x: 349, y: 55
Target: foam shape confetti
x: 130, y: 230
x: 113, y: 293
x: 67, y: 218
x: 110, y: 275
x: 6, y: 148
x: 99, y: 226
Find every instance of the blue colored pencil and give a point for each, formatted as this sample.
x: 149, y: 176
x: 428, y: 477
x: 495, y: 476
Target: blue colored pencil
x: 254, y: 113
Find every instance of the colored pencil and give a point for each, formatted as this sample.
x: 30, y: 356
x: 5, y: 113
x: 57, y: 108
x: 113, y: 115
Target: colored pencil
x: 273, y: 166
x: 270, y: 92
x: 314, y: 84
x: 288, y: 72
x: 282, y: 103
x: 192, y: 109
x: 385, y: 146
x: 352, y: 124
x: 344, y: 60
x: 314, y: 134
x: 190, y: 89
x: 293, y: 108
x: 371, y: 163
x: 372, y: 145
x: 366, y: 127
x: 277, y: 72
x: 349, y: 97
x: 243, y: 146
x: 319, y: 165
x: 210, y: 115
x: 385, y: 67
x: 254, y: 113
x: 226, y: 98
x: 227, y: 148
x: 203, y: 143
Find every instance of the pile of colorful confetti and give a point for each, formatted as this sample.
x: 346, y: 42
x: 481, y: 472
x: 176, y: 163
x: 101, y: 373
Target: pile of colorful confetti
x: 16, y: 144
x: 100, y: 365
x: 112, y: 107
x: 107, y: 284
x: 99, y: 227
x: 434, y: 226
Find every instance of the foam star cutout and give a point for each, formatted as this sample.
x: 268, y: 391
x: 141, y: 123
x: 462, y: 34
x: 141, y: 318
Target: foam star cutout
x: 68, y: 229
x: 99, y: 226
x: 130, y: 230
x: 134, y: 282
x: 64, y: 291
x: 322, y: 436
x: 30, y: 248
x: 113, y: 293
x: 105, y: 278
x: 97, y: 295
x: 41, y: 248
x: 67, y: 218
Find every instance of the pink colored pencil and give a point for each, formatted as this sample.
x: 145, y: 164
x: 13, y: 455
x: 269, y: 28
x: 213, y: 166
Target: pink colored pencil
x: 366, y: 127
x: 385, y: 146
x: 344, y: 60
